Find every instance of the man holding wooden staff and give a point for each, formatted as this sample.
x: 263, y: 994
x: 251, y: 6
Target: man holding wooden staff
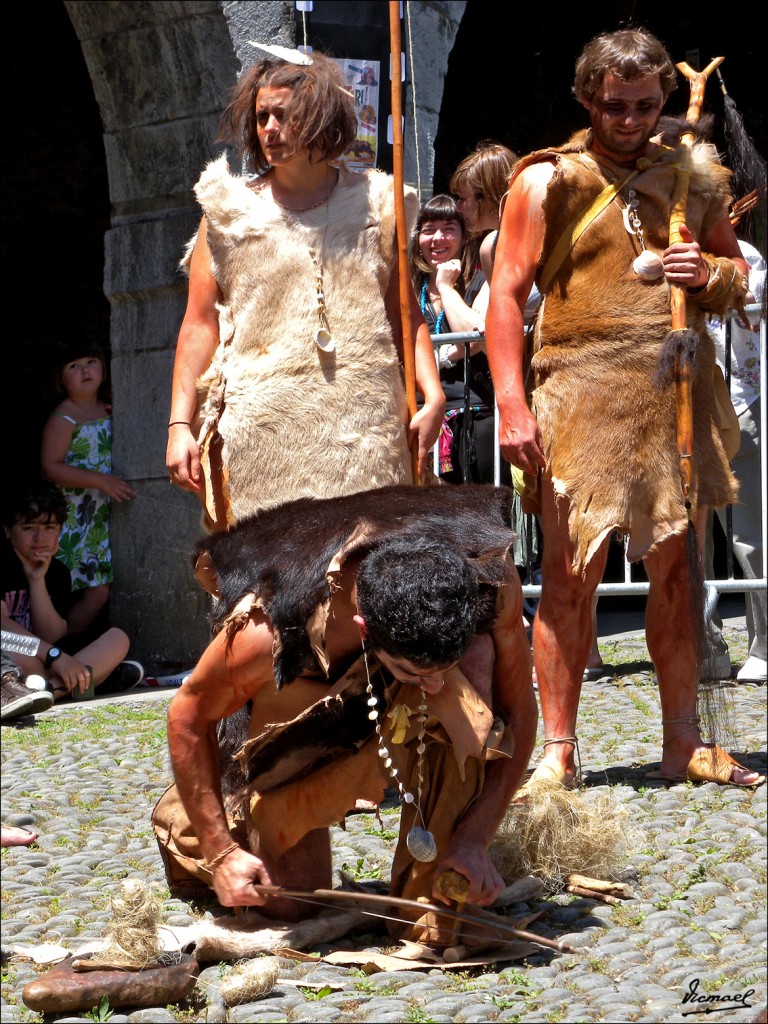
x: 590, y: 223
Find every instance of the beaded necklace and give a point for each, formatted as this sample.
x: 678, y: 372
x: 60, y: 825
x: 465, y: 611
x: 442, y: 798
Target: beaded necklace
x: 424, y: 303
x: 419, y: 841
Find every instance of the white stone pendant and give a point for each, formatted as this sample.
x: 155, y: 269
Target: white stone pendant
x: 648, y: 265
x: 421, y: 844
x: 324, y: 341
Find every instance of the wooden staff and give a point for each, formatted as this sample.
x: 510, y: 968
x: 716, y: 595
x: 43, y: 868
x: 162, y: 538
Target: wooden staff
x: 409, y: 348
x: 683, y: 339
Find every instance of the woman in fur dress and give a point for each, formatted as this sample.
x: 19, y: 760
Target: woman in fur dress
x: 288, y: 373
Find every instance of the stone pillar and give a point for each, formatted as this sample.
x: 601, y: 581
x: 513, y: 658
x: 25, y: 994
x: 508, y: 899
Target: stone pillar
x: 433, y: 29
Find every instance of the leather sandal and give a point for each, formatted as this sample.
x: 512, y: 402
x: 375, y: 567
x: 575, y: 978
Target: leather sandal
x: 709, y: 764
x: 549, y: 774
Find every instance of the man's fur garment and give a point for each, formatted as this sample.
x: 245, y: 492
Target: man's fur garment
x: 608, y: 428
x: 282, y: 560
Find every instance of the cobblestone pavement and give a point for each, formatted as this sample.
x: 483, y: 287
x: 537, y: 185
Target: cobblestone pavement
x: 692, y: 940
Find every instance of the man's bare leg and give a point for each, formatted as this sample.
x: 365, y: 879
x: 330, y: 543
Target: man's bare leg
x: 232, y: 670
x: 562, y: 635
x: 672, y: 645
x: 594, y: 659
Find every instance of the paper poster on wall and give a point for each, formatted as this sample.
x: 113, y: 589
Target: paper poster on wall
x: 362, y: 79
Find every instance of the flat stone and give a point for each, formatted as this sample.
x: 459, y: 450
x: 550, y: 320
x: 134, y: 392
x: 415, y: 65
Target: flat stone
x: 62, y: 988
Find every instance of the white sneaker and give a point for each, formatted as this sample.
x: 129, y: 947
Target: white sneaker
x: 752, y: 671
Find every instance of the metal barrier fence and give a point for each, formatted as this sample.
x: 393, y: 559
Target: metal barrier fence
x: 628, y: 586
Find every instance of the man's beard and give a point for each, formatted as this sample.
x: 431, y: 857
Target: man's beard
x: 613, y: 145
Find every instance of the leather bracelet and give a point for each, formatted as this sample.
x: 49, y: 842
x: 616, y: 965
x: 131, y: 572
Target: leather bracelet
x: 210, y: 865
x: 180, y: 423
x: 726, y: 287
x: 700, y: 287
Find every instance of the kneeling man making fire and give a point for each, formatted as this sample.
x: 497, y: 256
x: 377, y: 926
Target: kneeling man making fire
x: 374, y: 640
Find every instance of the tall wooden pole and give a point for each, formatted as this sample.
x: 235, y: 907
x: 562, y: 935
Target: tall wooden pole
x: 404, y: 277
x: 677, y: 299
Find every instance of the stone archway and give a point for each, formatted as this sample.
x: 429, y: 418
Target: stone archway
x: 55, y: 214
x: 159, y: 76
x: 107, y: 131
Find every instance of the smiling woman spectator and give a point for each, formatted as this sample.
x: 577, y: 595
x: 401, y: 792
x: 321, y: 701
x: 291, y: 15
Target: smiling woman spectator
x: 440, y: 267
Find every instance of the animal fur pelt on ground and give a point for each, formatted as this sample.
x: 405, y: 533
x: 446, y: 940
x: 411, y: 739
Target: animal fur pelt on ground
x: 225, y: 938
x: 251, y: 934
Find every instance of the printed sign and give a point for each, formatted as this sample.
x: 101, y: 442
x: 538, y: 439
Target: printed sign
x: 362, y: 79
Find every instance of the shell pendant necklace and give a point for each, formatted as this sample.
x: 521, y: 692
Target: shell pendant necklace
x: 420, y: 841
x: 648, y: 264
x: 322, y: 338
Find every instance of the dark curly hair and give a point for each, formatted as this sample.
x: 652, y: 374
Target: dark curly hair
x: 419, y: 600
x: 32, y: 499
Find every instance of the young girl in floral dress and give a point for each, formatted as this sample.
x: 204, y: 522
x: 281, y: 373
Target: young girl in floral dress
x: 76, y: 454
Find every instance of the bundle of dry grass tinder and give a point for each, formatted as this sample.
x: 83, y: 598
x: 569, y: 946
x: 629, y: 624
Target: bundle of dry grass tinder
x: 132, y: 940
x: 559, y: 832
x: 249, y: 980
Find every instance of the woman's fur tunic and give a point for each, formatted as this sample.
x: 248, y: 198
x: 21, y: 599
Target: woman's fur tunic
x: 609, y: 432
x: 294, y: 421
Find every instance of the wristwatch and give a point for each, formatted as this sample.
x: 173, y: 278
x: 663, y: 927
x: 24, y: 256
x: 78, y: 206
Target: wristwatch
x: 51, y: 656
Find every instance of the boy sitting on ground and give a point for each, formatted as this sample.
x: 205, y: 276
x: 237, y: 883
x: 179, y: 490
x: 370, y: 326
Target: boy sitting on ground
x: 37, y: 598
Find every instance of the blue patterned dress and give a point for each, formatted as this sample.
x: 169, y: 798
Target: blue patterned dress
x: 84, y: 544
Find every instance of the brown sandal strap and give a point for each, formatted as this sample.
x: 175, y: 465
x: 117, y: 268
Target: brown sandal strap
x: 692, y: 721
x: 574, y: 740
